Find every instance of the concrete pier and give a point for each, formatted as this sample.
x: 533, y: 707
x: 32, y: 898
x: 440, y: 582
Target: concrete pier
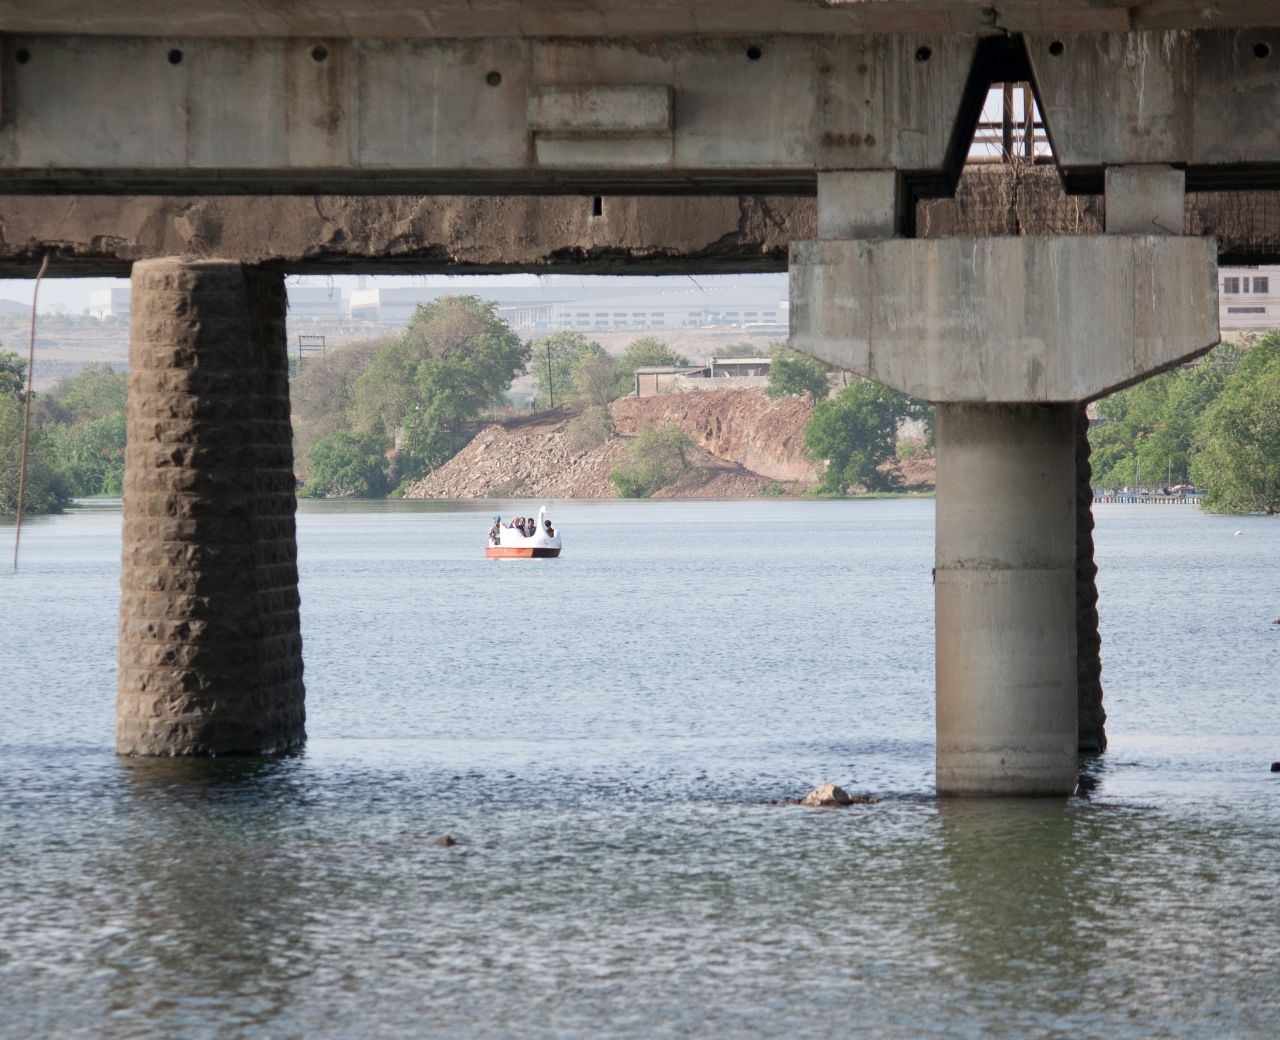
x: 1005, y: 599
x: 210, y: 653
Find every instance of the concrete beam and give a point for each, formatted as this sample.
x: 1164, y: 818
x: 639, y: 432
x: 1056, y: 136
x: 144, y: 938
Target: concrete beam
x: 332, y: 19
x: 390, y: 115
x: 1208, y: 101
x: 1005, y: 319
x: 103, y: 235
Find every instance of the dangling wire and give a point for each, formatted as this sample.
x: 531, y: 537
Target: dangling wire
x: 26, y: 413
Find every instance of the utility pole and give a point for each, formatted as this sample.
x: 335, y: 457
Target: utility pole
x: 551, y: 386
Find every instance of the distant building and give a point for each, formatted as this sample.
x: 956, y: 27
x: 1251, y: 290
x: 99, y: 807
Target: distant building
x: 109, y: 304
x: 1248, y: 299
x: 682, y: 309
x: 719, y: 373
x: 315, y: 303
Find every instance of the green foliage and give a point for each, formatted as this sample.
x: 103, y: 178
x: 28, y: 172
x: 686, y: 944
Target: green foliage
x: 595, y: 380
x: 855, y: 432
x: 773, y: 489
x: 323, y: 394
x: 745, y: 349
x: 567, y: 351
x: 796, y: 373
x: 456, y: 358
x: 95, y: 392
x: 656, y: 459
x: 347, y: 465
x: 645, y: 352
x: 13, y: 374
x: 1148, y: 431
x: 91, y: 454
x: 1238, y: 442
x: 47, y: 490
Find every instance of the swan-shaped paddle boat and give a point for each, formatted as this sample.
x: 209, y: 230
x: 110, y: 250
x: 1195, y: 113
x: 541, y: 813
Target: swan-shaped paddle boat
x: 507, y: 543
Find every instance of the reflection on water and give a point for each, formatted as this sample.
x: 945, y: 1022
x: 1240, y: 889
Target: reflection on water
x: 618, y: 868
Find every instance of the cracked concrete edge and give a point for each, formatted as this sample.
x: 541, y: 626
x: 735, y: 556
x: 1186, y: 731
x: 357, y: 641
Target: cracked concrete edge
x: 104, y: 235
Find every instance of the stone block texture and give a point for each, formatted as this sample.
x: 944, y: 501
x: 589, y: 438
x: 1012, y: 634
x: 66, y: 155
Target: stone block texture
x: 1090, y: 717
x: 210, y: 650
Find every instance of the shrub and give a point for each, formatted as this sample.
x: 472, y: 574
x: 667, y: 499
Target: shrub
x: 656, y: 459
x: 347, y: 465
x: 795, y: 373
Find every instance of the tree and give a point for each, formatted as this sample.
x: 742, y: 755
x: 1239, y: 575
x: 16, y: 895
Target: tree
x: 1148, y: 431
x: 456, y: 358
x: 1239, y: 441
x: 347, y: 465
x: 13, y: 374
x: 595, y: 380
x: 95, y: 392
x: 645, y: 352
x: 323, y: 394
x: 47, y: 490
x: 91, y: 454
x: 567, y: 351
x: 656, y: 459
x: 794, y: 373
x: 855, y: 432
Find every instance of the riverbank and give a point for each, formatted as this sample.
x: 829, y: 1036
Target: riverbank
x: 747, y: 446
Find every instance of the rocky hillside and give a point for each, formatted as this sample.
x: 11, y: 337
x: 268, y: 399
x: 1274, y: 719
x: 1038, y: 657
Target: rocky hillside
x: 747, y: 441
x: 743, y: 426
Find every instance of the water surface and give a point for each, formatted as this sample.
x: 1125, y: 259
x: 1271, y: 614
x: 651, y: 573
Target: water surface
x: 603, y: 735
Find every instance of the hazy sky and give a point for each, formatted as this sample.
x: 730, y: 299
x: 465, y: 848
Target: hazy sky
x: 71, y: 295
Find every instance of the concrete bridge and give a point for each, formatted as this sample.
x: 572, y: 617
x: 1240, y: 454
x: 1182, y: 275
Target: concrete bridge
x: 867, y: 106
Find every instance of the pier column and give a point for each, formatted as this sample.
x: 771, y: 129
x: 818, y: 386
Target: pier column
x: 210, y: 653
x: 1008, y: 336
x: 1005, y: 599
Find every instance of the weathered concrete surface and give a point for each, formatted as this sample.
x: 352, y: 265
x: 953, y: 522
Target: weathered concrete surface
x: 210, y: 651
x: 1145, y: 200
x: 1005, y: 600
x: 103, y: 235
x: 1208, y: 101
x: 1024, y: 319
x: 462, y: 18
x: 380, y: 116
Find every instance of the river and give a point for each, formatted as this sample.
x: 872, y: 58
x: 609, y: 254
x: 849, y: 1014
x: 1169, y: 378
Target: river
x: 610, y: 739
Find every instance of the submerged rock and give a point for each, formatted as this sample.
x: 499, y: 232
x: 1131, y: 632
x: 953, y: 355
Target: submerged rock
x: 828, y: 795
x: 444, y: 842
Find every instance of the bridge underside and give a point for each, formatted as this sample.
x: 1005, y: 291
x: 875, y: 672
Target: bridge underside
x: 94, y: 235
x: 870, y: 107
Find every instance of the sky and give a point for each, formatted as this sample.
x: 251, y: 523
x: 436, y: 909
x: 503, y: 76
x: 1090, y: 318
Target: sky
x: 71, y: 295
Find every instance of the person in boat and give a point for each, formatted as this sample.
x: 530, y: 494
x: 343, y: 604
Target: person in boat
x: 546, y: 526
x: 519, y: 526
x: 495, y: 532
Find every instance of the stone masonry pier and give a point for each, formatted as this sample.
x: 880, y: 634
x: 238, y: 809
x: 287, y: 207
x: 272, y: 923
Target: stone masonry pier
x: 210, y: 653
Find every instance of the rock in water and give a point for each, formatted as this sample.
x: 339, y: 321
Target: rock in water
x: 826, y: 795
x: 444, y: 842
x: 1275, y: 767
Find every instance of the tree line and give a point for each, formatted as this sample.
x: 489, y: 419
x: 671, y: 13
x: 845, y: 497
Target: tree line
x: 1214, y: 424
x: 77, y: 437
x: 416, y: 393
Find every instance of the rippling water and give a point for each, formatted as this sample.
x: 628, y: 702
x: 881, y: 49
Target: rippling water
x: 603, y: 735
